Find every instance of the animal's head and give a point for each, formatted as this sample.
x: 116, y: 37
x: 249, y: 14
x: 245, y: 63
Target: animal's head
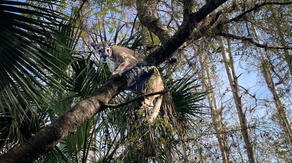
x: 103, y: 49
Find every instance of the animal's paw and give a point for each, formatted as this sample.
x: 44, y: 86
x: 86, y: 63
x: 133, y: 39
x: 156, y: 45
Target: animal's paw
x: 117, y: 73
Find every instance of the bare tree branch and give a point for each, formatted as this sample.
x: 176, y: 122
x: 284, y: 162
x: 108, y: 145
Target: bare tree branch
x: 256, y: 7
x: 183, y: 33
x: 196, y: 34
x: 188, y: 4
x: 251, y: 40
x: 135, y: 99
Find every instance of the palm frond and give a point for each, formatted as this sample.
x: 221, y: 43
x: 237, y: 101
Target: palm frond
x: 27, y: 66
x: 88, y: 75
x: 186, y: 98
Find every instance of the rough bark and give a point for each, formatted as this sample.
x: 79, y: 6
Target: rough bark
x: 47, y: 138
x: 147, y: 14
x: 237, y: 100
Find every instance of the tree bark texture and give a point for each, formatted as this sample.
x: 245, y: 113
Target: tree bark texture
x: 186, y: 29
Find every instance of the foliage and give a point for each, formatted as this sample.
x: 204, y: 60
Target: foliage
x: 27, y: 69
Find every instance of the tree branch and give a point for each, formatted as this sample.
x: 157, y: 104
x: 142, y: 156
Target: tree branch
x: 146, y: 14
x: 196, y: 34
x: 253, y: 42
x: 135, y: 99
x: 256, y: 7
x: 188, y: 4
x: 66, y: 124
x: 183, y: 33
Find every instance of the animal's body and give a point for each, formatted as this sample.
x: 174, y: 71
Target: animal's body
x: 120, y: 60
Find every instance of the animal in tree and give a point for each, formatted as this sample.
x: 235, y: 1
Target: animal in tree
x: 146, y: 79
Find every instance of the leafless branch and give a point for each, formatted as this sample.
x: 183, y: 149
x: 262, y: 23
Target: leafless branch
x: 202, y: 30
x: 251, y: 40
x: 186, y: 29
x: 256, y: 7
x: 135, y: 99
x: 188, y: 4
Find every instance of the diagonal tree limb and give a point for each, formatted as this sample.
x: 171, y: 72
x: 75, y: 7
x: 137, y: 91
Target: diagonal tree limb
x: 203, y: 30
x: 66, y: 124
x: 187, y: 5
x: 251, y: 40
x: 140, y: 97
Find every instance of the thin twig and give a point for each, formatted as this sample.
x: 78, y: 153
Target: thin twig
x: 135, y: 99
x: 251, y: 40
x: 256, y: 7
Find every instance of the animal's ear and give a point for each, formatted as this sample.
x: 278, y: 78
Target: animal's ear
x: 93, y: 45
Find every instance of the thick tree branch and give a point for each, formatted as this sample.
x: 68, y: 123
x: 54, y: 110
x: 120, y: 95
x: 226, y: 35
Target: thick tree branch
x: 196, y: 34
x: 183, y: 33
x: 146, y: 14
x: 253, y: 42
x: 188, y: 4
x: 256, y: 7
x: 50, y: 136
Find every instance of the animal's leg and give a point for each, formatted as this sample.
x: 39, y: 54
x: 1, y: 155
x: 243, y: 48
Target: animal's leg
x: 155, y: 110
x: 125, y: 66
x: 156, y: 85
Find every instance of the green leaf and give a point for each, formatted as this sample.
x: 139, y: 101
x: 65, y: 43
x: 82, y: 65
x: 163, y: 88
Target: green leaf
x: 213, y: 46
x: 30, y: 66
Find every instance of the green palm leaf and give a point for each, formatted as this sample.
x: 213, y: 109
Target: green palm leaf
x: 186, y: 98
x: 27, y: 66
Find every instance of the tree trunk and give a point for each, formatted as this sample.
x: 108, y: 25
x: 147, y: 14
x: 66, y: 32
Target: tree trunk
x: 266, y: 70
x: 215, y: 111
x: 287, y: 56
x: 228, y: 61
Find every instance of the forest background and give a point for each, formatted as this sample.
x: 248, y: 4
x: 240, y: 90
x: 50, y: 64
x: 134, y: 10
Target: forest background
x: 226, y: 64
